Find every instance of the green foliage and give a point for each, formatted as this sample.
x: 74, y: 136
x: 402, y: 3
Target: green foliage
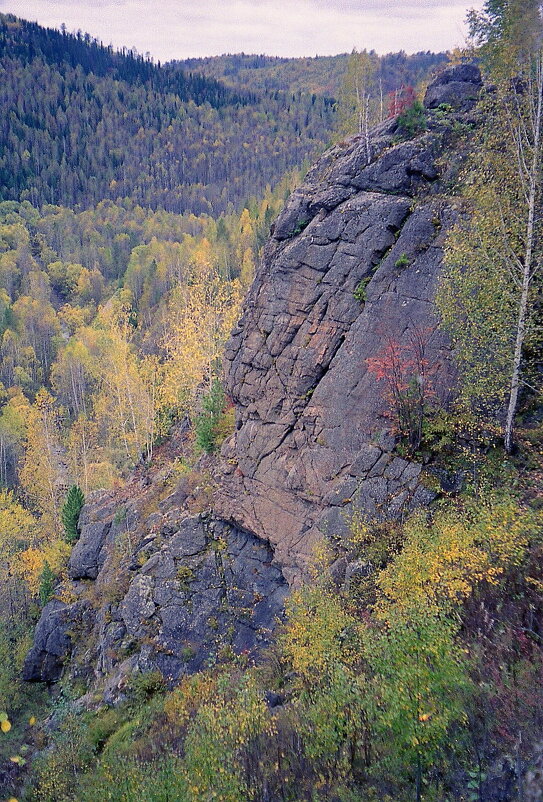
x: 357, y: 106
x: 412, y: 121
x: 333, y: 720
x: 70, y: 513
x: 419, y: 682
x: 319, y: 75
x: 47, y: 584
x: 223, y: 735
x: 143, y: 686
x: 320, y: 635
x: 128, y: 780
x: 373, y: 687
x: 477, y: 307
x: 119, y: 107
x: 438, y: 432
x: 300, y: 226
x: 360, y: 291
x: 489, y: 293
x: 402, y: 261
x: 102, y: 726
x: 184, y: 576
x: 56, y: 773
x: 209, y: 426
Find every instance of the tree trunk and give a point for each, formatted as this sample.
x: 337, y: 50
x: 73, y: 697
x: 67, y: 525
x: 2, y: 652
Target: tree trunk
x: 527, y: 272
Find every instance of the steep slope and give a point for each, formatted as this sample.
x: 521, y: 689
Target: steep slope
x: 175, y: 568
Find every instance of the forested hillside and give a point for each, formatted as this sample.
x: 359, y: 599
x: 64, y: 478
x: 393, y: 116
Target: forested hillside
x: 102, y: 153
x: 321, y: 75
x: 129, y: 128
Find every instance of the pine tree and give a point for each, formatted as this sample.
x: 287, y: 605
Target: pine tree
x: 70, y: 513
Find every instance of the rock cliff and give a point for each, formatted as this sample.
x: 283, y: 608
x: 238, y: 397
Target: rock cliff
x: 313, y: 435
x: 172, y: 570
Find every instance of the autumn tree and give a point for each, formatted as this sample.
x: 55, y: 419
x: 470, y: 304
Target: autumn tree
x: 41, y: 474
x: 400, y: 99
x: 356, y: 106
x: 201, y: 315
x: 13, y: 419
x: 406, y: 376
x: 488, y: 297
x: 19, y: 529
x: 83, y: 452
x: 122, y: 405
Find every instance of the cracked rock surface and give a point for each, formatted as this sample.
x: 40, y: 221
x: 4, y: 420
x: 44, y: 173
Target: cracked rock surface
x: 167, y: 592
x: 313, y: 437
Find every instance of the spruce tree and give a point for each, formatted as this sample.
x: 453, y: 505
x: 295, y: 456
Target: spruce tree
x: 70, y: 513
x: 47, y: 584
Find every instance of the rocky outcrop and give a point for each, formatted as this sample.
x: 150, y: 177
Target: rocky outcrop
x: 59, y: 627
x: 168, y: 575
x: 314, y: 437
x: 458, y: 87
x: 164, y: 591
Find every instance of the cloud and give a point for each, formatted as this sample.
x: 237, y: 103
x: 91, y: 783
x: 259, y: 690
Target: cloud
x: 182, y: 28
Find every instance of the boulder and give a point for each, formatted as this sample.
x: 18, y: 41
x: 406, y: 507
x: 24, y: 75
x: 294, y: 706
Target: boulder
x: 59, y: 626
x: 457, y: 87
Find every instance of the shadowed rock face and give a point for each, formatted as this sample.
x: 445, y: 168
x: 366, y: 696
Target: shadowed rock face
x: 164, y: 593
x: 168, y: 589
x: 313, y: 432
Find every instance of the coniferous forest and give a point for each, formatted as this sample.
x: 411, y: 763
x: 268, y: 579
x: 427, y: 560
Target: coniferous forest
x: 177, y: 285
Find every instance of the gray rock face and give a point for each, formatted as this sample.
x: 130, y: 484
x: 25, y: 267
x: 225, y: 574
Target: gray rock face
x: 313, y: 439
x: 210, y: 586
x: 457, y: 86
x: 60, y: 624
x: 101, y: 524
x: 170, y: 593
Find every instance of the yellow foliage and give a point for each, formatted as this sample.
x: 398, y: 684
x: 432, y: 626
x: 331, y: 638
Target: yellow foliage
x: 186, y: 699
x: 18, y: 528
x: 40, y: 474
x: 200, y: 318
x: 320, y: 634
x: 442, y: 560
x: 28, y: 564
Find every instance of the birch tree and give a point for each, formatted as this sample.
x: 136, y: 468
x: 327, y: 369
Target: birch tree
x: 488, y: 295
x: 357, y: 105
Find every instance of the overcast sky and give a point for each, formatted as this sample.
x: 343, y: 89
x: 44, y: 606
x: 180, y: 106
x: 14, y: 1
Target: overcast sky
x: 181, y: 28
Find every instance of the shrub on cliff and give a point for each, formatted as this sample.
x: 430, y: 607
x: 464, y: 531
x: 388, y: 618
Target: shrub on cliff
x: 412, y: 121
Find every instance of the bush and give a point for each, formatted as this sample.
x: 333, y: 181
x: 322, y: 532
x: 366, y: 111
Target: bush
x: 215, y: 421
x: 412, y: 121
x: 360, y: 291
x: 402, y: 262
x: 144, y: 686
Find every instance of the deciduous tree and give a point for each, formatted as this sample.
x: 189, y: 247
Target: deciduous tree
x: 488, y: 298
